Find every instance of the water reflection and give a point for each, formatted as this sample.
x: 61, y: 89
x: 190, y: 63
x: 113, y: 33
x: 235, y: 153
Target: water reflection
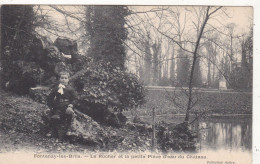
x: 231, y: 133
x: 225, y: 133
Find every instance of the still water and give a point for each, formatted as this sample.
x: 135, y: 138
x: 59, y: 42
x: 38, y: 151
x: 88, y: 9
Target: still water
x: 230, y: 133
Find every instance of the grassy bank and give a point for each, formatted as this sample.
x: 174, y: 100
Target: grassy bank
x: 174, y: 101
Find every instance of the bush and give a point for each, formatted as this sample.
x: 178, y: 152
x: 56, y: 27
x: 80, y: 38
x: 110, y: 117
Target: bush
x: 176, y: 138
x: 110, y: 87
x: 239, y: 79
x: 103, y: 90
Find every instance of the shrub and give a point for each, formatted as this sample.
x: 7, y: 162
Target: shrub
x: 109, y: 87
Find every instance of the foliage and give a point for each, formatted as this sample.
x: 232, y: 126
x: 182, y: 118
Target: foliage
x: 27, y: 74
x: 80, y: 63
x: 197, y: 74
x: 37, y: 66
x: 147, y: 76
x: 16, y: 40
x: 241, y: 76
x: 16, y: 33
x: 109, y: 87
x: 26, y: 62
x: 156, y: 47
x: 17, y: 24
x: 238, y: 78
x: 105, y: 84
x: 176, y: 138
x: 105, y: 25
x: 183, y: 69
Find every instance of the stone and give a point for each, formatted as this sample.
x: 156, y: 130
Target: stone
x: 84, y: 129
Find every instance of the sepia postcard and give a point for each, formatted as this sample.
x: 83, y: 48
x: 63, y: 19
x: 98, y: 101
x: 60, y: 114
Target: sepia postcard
x: 144, y: 83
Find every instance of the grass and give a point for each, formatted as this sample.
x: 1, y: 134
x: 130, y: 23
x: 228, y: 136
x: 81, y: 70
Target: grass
x: 174, y: 102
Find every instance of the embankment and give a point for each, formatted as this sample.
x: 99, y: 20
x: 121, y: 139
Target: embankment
x: 174, y: 101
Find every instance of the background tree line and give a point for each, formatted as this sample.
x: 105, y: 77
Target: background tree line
x: 170, y: 33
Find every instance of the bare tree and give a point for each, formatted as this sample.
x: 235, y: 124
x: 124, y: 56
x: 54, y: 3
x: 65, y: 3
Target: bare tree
x: 209, y: 13
x: 205, y: 16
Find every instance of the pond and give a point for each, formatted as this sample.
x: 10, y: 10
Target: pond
x: 230, y: 133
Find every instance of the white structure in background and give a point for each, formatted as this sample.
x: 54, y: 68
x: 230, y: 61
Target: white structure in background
x: 222, y: 84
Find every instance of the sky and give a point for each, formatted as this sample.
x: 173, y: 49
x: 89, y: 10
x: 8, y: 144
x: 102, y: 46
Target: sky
x: 241, y: 16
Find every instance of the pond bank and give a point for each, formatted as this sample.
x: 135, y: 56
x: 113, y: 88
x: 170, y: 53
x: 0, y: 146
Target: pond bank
x: 217, y: 102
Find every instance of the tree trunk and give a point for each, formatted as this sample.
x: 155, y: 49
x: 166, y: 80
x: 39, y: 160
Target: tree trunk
x: 187, y: 117
x: 172, y: 69
x: 209, y: 71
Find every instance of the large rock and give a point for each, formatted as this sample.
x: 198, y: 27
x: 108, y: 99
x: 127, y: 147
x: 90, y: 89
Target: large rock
x: 84, y: 129
x: 66, y: 46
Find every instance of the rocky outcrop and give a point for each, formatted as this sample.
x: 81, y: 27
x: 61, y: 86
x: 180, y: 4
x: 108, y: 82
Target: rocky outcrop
x: 84, y: 129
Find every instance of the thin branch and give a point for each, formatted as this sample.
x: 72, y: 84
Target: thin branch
x: 214, y: 11
x: 66, y: 13
x: 149, y: 11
